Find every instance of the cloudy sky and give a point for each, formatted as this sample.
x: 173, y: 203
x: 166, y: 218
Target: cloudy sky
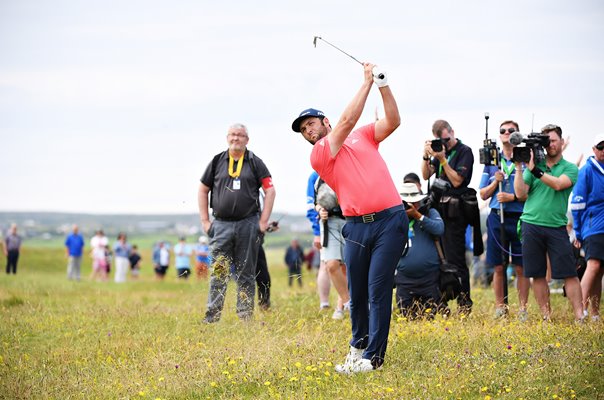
x: 118, y: 106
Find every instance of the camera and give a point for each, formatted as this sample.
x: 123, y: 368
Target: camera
x: 489, y: 153
x: 534, y: 141
x: 438, y: 144
x: 436, y: 191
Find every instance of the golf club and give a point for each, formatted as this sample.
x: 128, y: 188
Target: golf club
x: 314, y: 42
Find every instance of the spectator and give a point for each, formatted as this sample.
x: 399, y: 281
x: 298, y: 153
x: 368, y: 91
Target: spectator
x: 121, y: 249
x: 544, y: 227
x: 233, y: 179
x: 294, y: 258
x: 135, y: 262
x: 323, y: 281
x: 202, y: 258
x: 588, y: 215
x: 182, y: 258
x: 74, y: 247
x: 12, y: 248
x: 100, y: 266
x: 161, y: 260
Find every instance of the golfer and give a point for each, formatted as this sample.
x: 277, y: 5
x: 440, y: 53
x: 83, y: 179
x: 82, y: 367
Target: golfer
x: 376, y: 223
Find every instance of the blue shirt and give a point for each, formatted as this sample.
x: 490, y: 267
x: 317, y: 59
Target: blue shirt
x: 121, y: 250
x: 587, y: 202
x: 182, y: 253
x: 488, y: 176
x: 75, y: 244
x: 311, y: 213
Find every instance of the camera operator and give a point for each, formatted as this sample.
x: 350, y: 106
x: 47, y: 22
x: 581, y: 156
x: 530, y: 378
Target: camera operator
x: 507, y: 241
x: 452, y: 161
x: 418, y: 271
x: 546, y: 188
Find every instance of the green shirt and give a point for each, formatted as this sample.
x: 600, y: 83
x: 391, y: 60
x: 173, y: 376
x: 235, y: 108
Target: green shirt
x: 546, y: 206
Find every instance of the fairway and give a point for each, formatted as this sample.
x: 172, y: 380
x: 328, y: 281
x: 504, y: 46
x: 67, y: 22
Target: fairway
x: 145, y: 340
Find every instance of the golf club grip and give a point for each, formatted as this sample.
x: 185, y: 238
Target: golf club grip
x: 379, y: 76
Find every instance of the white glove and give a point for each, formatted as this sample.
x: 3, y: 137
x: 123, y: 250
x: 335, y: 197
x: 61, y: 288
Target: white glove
x: 380, y: 78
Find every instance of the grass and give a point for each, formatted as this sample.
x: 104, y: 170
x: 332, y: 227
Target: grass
x: 145, y: 340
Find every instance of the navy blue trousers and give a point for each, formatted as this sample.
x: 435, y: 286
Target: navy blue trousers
x: 371, y: 253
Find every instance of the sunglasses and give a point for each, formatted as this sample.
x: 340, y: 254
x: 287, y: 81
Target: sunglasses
x: 600, y: 146
x: 502, y: 131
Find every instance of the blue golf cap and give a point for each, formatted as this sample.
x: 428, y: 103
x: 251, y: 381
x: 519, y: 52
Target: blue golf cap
x: 311, y: 112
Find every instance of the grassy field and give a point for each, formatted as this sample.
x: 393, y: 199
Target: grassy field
x: 145, y: 340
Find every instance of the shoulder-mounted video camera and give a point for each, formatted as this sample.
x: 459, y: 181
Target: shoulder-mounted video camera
x: 489, y: 153
x: 537, y: 142
x: 437, y: 145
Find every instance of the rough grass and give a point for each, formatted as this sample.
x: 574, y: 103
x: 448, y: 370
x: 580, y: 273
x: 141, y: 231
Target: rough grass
x: 145, y: 340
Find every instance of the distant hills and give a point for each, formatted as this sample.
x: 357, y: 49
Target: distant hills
x: 46, y: 225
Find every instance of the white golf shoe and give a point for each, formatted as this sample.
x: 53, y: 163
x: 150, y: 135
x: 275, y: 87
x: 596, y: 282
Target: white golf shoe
x: 354, y: 363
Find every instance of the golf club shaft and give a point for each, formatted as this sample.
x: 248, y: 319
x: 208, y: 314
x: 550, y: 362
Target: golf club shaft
x: 379, y: 76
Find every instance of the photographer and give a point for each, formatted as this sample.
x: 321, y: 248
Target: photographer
x: 452, y: 161
x: 507, y: 241
x: 418, y: 271
x: 546, y: 188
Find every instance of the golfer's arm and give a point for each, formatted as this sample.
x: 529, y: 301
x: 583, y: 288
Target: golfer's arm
x: 392, y: 119
x: 349, y: 118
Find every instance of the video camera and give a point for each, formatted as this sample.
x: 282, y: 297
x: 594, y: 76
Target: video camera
x: 437, y: 145
x: 534, y: 141
x: 489, y: 154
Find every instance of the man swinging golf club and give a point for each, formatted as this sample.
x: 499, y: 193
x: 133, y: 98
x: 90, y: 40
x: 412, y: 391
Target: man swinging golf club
x: 376, y: 223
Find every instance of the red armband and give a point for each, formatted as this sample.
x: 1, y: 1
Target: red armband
x: 267, y: 183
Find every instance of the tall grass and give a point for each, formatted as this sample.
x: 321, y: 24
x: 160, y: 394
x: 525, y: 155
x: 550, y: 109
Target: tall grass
x: 145, y: 340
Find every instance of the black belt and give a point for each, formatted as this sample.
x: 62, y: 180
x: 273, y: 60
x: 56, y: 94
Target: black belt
x: 368, y: 218
x: 233, y: 219
x: 508, y: 213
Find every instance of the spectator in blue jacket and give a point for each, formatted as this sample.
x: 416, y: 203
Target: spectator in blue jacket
x: 587, y: 206
x: 74, y: 246
x: 294, y: 258
x: 418, y: 271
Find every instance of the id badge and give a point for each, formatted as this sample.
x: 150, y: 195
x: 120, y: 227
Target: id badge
x: 236, y: 184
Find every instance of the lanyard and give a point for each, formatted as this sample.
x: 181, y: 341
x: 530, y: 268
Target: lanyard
x: 232, y: 172
x: 505, y: 166
x: 411, y: 233
x: 440, y: 167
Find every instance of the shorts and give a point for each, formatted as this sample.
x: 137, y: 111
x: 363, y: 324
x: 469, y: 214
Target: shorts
x: 594, y: 247
x: 494, y: 250
x: 183, y: 272
x: 161, y: 269
x: 335, y: 242
x: 537, y: 241
x: 135, y: 271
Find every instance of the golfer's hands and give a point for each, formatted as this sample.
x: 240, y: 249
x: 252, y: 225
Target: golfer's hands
x: 368, y: 70
x: 379, y: 77
x: 316, y: 242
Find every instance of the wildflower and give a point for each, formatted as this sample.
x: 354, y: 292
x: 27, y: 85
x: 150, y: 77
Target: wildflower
x: 177, y: 366
x: 487, y: 397
x: 298, y: 364
x: 522, y: 362
x: 213, y: 384
x: 389, y: 390
x: 509, y: 347
x: 161, y: 379
x: 267, y: 383
x: 484, y: 389
x: 141, y: 393
x: 293, y: 379
x: 558, y: 344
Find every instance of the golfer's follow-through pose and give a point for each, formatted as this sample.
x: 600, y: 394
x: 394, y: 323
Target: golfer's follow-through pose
x: 376, y: 223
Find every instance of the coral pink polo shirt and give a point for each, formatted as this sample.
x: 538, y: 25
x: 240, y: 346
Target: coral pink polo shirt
x: 358, y: 173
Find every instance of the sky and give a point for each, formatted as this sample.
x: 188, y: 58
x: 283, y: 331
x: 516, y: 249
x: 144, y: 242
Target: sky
x: 119, y: 106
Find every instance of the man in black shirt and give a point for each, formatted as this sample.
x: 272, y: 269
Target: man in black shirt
x: 454, y: 165
x: 233, y: 180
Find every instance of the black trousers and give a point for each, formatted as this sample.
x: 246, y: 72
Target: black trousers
x: 454, y: 243
x: 12, y: 258
x: 263, y: 280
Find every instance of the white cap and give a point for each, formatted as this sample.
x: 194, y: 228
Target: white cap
x: 410, y: 193
x: 599, y: 139
x: 203, y: 240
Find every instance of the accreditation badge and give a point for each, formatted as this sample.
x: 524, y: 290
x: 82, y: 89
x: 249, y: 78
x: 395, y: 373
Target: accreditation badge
x: 236, y: 184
